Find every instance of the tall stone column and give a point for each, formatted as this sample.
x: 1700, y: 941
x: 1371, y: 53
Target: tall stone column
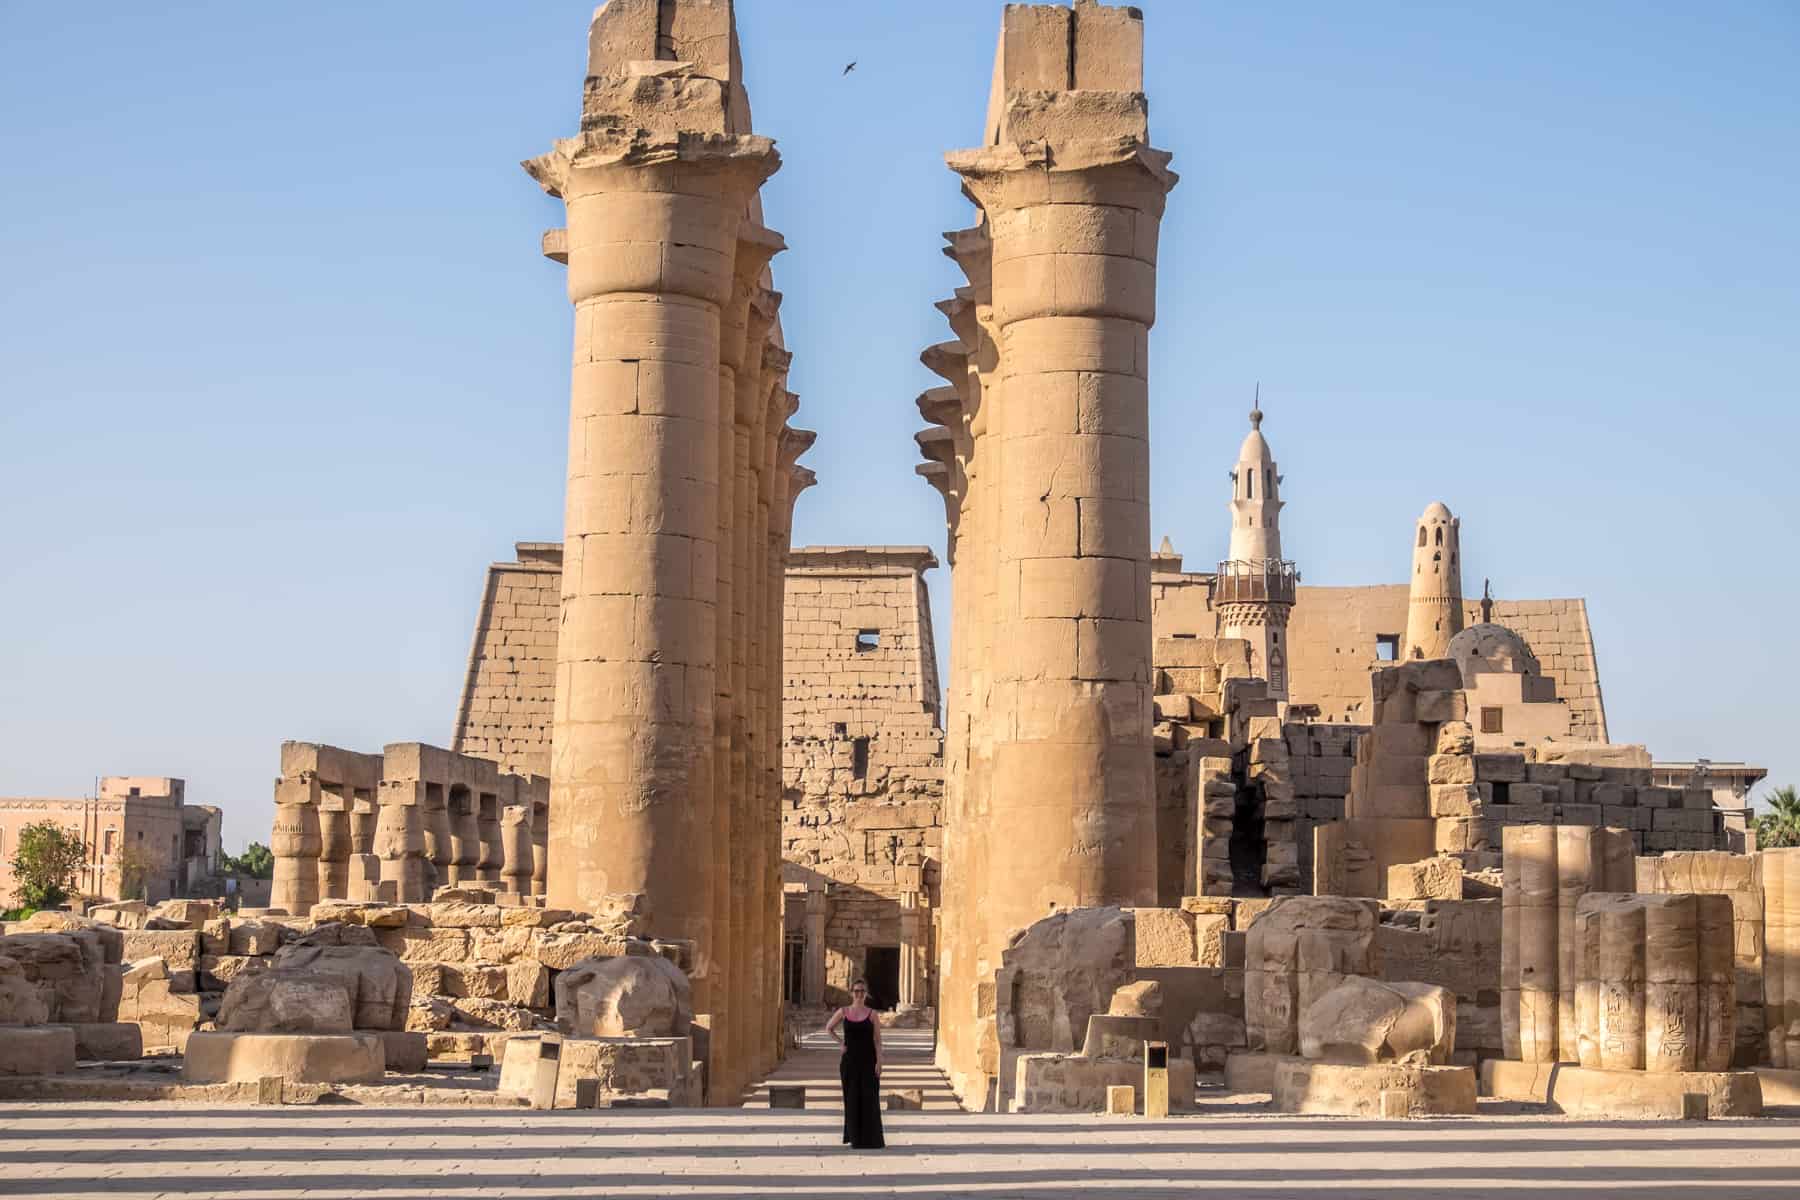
x: 296, y: 842
x: 492, y: 841
x: 440, y: 836
x: 465, y: 839
x: 1780, y: 870
x: 655, y: 187
x: 812, y: 965
x: 515, y: 846
x: 1073, y: 196
x: 540, y: 841
x: 334, y: 848
x: 365, y: 865
x: 914, y: 945
x: 744, y: 331
x: 406, y: 873
x: 790, y: 479
x: 764, y: 430
x: 1052, y: 762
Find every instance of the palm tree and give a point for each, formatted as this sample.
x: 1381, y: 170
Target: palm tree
x: 1780, y: 826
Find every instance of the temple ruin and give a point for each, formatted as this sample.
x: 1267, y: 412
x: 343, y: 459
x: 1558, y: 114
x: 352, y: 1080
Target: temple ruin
x: 1156, y: 839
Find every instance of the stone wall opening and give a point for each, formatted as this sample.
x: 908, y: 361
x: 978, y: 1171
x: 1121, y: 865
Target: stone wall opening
x: 881, y: 967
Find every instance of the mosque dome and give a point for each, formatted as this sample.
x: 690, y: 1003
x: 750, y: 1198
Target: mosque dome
x: 1491, y: 649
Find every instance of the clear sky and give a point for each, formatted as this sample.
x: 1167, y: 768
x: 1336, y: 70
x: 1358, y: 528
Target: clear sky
x: 281, y: 370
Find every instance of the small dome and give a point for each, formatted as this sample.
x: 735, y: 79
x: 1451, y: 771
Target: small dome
x: 1491, y: 649
x: 1437, y: 511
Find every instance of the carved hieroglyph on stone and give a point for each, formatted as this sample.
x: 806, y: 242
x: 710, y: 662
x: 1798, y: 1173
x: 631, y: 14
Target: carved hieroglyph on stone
x: 1548, y: 869
x: 1654, y: 987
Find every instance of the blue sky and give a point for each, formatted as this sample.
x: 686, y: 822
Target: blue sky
x: 281, y: 370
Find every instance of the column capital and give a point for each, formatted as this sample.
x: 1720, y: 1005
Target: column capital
x: 1118, y: 172
x: 689, y: 163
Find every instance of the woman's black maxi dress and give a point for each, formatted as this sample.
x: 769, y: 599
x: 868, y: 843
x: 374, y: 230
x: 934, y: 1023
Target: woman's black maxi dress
x: 862, y: 1090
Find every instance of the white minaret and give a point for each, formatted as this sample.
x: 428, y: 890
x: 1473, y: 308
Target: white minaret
x: 1254, y: 591
x: 1434, y: 613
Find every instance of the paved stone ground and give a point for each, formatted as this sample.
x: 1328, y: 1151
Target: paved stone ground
x: 122, y: 1151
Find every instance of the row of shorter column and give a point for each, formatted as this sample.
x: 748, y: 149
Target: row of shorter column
x: 398, y: 825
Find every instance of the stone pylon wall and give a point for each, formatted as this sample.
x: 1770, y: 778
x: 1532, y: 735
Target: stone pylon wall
x: 682, y: 470
x: 863, y: 762
x: 1046, y: 470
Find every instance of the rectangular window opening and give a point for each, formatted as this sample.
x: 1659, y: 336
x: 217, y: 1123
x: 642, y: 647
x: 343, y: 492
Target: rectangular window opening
x: 1387, y: 647
x: 859, y: 758
x: 868, y: 639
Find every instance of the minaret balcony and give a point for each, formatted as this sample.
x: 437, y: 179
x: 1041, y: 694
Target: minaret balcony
x: 1269, y: 581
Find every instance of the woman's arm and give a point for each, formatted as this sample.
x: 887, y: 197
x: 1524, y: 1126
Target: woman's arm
x: 831, y: 1026
x: 875, y: 1024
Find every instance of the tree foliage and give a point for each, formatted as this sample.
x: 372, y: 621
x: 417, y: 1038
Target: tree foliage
x: 256, y: 862
x: 1780, y: 826
x: 45, y: 862
x: 134, y: 870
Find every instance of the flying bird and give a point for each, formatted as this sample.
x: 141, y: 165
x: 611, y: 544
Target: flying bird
x: 850, y: 68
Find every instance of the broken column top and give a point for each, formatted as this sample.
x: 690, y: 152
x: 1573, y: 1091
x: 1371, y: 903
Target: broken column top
x: 1049, y: 53
x: 641, y: 39
x: 664, y: 82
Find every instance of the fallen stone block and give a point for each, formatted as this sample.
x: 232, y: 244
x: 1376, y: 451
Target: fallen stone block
x: 37, y: 1049
x: 292, y: 1058
x: 108, y: 1041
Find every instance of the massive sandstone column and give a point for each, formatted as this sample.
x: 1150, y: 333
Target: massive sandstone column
x: 656, y: 186
x: 1055, y: 757
x: 660, y: 763
x: 745, y: 330
x: 1780, y: 871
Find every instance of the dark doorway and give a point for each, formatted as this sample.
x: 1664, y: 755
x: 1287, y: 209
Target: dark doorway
x: 794, y: 967
x: 881, y: 967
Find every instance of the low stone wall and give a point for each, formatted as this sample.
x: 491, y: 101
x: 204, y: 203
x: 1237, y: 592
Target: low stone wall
x: 1070, y: 1083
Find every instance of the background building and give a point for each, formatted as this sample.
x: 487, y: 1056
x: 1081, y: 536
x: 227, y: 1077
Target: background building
x: 143, y: 840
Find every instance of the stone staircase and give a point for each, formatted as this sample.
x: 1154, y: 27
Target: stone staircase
x: 908, y: 1065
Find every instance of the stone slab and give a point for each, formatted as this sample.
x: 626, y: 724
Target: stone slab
x: 37, y: 1049
x: 1253, y: 1072
x: 108, y: 1041
x: 1780, y: 1088
x: 1579, y: 1091
x: 1654, y: 1096
x: 296, y: 1058
x: 404, y: 1052
x: 1345, y: 1090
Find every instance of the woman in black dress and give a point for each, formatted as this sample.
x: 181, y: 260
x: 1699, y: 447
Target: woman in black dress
x: 859, y: 1070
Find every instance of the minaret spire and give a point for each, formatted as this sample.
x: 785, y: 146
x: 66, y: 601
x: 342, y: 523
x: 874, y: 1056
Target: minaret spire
x: 1254, y: 590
